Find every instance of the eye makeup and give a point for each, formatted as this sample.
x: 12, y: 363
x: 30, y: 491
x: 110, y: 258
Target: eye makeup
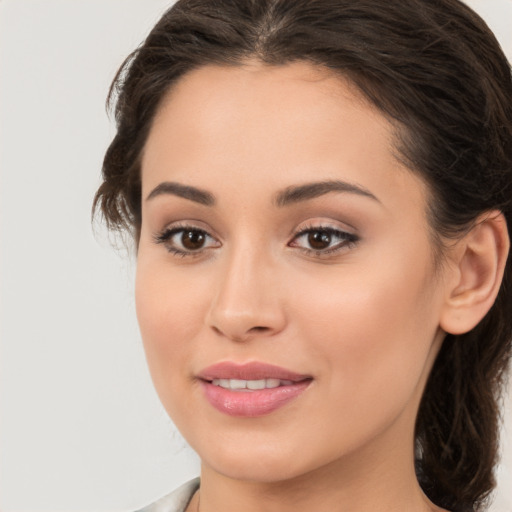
x: 186, y: 240
x: 323, y: 240
x: 316, y: 239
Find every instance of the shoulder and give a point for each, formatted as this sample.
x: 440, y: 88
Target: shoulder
x: 177, y: 501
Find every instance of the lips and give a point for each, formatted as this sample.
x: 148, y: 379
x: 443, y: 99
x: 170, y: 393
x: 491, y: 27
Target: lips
x: 252, y: 389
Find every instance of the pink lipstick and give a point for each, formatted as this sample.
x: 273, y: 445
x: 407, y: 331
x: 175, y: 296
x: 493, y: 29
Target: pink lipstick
x: 251, y: 389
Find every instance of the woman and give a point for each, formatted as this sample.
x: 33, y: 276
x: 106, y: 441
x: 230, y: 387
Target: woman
x: 320, y: 193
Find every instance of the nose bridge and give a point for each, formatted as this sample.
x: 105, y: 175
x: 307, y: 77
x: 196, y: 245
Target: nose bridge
x: 245, y: 301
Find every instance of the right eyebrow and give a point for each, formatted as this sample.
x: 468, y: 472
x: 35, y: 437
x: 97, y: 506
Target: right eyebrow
x: 185, y: 191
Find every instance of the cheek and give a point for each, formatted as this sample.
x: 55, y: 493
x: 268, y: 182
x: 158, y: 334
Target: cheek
x: 170, y: 313
x: 372, y: 332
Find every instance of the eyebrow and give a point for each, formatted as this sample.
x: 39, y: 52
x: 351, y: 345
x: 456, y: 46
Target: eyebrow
x: 295, y: 194
x: 290, y: 195
x: 185, y: 191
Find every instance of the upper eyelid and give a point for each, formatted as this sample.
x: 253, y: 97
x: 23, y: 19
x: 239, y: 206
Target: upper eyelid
x: 323, y: 228
x: 338, y: 231
x: 326, y: 225
x: 173, y: 230
x: 189, y: 224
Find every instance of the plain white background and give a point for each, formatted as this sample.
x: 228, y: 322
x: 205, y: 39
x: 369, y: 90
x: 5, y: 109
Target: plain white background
x: 80, y: 425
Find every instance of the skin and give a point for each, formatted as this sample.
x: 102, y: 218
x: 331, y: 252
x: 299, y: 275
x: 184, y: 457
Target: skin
x: 364, y: 321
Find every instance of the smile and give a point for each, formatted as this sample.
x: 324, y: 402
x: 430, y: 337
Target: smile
x: 248, y: 385
x: 251, y: 390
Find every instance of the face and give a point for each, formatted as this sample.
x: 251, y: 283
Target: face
x: 286, y: 291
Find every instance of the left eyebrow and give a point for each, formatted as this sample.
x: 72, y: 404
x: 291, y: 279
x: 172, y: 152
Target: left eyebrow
x: 295, y: 194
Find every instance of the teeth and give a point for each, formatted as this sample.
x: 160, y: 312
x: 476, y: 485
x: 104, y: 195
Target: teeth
x: 255, y: 384
x: 272, y: 383
x: 238, y: 384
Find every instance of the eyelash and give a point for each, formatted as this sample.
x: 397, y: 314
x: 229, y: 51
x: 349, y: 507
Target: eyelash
x: 165, y: 238
x: 347, y: 240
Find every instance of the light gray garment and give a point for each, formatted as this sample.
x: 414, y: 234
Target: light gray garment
x: 177, y: 501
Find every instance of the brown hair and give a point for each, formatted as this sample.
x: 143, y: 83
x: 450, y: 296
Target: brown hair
x: 434, y: 68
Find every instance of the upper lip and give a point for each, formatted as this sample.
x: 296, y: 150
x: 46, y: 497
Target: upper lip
x: 249, y: 371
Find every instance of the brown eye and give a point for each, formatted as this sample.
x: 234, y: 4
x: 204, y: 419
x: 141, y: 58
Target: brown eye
x: 323, y: 241
x: 319, y: 239
x: 193, y: 240
x: 186, y: 241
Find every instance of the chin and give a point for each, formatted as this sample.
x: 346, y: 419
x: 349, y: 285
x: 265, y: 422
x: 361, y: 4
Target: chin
x: 267, y: 460
x: 260, y: 469
x: 254, y: 457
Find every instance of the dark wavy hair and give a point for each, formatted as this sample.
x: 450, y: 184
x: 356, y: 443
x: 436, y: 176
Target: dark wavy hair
x: 436, y: 71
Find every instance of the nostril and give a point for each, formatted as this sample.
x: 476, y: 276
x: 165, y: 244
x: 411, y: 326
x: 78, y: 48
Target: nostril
x: 258, y: 329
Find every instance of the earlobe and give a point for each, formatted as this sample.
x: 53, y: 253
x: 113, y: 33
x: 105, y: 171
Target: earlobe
x: 480, y: 259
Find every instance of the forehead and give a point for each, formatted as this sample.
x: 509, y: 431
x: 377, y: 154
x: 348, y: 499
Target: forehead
x: 262, y: 82
x: 259, y: 95
x: 257, y: 125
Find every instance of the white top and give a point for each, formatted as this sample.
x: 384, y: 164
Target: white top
x: 177, y: 501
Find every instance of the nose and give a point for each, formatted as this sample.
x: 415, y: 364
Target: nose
x: 246, y: 302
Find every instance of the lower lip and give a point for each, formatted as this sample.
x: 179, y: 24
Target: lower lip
x: 250, y: 404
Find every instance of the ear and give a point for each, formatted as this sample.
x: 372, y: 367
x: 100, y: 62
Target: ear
x: 475, y: 278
